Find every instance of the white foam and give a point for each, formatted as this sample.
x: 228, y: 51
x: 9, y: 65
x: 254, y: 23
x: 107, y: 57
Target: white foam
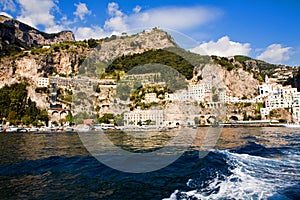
x: 252, y: 177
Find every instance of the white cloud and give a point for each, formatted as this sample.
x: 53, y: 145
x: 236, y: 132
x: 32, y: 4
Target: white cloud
x: 37, y: 12
x: 275, y: 53
x: 137, y: 9
x: 95, y: 32
x: 44, y: 13
x: 117, y: 20
x: 113, y: 9
x: 117, y: 24
x: 223, y: 47
x: 7, y: 5
x: 81, y: 10
x: 54, y: 29
x: 6, y: 14
x: 177, y: 18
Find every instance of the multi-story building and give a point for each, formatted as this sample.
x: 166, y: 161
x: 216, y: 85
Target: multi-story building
x: 155, y: 116
x: 197, y: 92
x: 278, y: 96
x: 43, y: 82
x: 151, y: 97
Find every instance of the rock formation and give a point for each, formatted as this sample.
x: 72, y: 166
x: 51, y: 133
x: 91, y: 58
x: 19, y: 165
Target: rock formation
x: 15, y: 32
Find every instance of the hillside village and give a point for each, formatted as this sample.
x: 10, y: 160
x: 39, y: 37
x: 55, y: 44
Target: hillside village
x: 271, y: 95
x: 92, y: 82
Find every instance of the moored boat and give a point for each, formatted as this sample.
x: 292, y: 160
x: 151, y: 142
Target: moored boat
x: 84, y: 128
x: 68, y: 128
x: 33, y: 129
x: 11, y: 129
x: 293, y: 125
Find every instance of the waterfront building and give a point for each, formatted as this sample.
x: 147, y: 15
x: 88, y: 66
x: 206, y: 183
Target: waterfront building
x: 278, y: 96
x: 154, y: 116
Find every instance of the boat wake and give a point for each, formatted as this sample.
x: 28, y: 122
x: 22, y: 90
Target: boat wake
x: 246, y: 176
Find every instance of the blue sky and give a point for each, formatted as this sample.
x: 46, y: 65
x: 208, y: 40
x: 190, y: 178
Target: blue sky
x: 262, y: 29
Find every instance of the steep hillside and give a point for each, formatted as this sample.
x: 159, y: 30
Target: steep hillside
x: 161, y: 56
x: 15, y: 35
x: 65, y: 58
x: 110, y: 48
x: 280, y: 73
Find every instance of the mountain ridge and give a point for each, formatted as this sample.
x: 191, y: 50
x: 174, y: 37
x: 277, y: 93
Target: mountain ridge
x: 22, y: 36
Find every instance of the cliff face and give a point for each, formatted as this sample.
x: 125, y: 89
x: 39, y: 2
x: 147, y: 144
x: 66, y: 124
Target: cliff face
x: 35, y: 66
x: 62, y: 60
x: 236, y: 82
x: 15, y: 32
x: 110, y: 48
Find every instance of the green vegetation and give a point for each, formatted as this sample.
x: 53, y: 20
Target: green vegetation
x: 17, y: 49
x: 43, y: 90
x: 9, y: 49
x: 241, y: 59
x: 70, y: 118
x: 160, y: 56
x: 258, y: 68
x: 224, y: 62
x: 79, y: 117
x: 138, y: 96
x: 64, y: 95
x: 107, y: 118
x: 91, y: 68
x: 258, y: 107
x: 295, y: 80
x: 245, y: 117
x: 92, y: 43
x: 17, y: 108
x: 192, y: 58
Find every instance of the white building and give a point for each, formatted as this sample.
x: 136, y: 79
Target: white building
x: 155, y: 116
x: 151, y: 97
x: 43, y: 82
x: 278, y: 96
x: 197, y: 92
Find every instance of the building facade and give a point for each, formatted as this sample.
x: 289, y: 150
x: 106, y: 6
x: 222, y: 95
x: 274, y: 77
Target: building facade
x: 43, y: 82
x: 138, y: 117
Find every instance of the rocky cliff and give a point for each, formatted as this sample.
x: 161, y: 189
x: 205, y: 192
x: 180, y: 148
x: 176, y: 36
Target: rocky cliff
x: 65, y: 58
x: 22, y: 35
x: 236, y: 82
x: 110, y: 48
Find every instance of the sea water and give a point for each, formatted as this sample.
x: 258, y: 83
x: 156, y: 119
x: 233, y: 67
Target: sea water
x: 246, y: 163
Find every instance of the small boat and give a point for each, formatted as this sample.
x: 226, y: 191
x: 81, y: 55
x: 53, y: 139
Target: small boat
x: 293, y: 125
x: 22, y: 130
x: 97, y: 127
x: 11, y: 129
x: 48, y: 129
x: 33, y: 129
x: 68, y: 128
x: 84, y: 128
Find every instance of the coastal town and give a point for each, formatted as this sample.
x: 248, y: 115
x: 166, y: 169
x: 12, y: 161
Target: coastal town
x: 198, y: 91
x: 203, y: 97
